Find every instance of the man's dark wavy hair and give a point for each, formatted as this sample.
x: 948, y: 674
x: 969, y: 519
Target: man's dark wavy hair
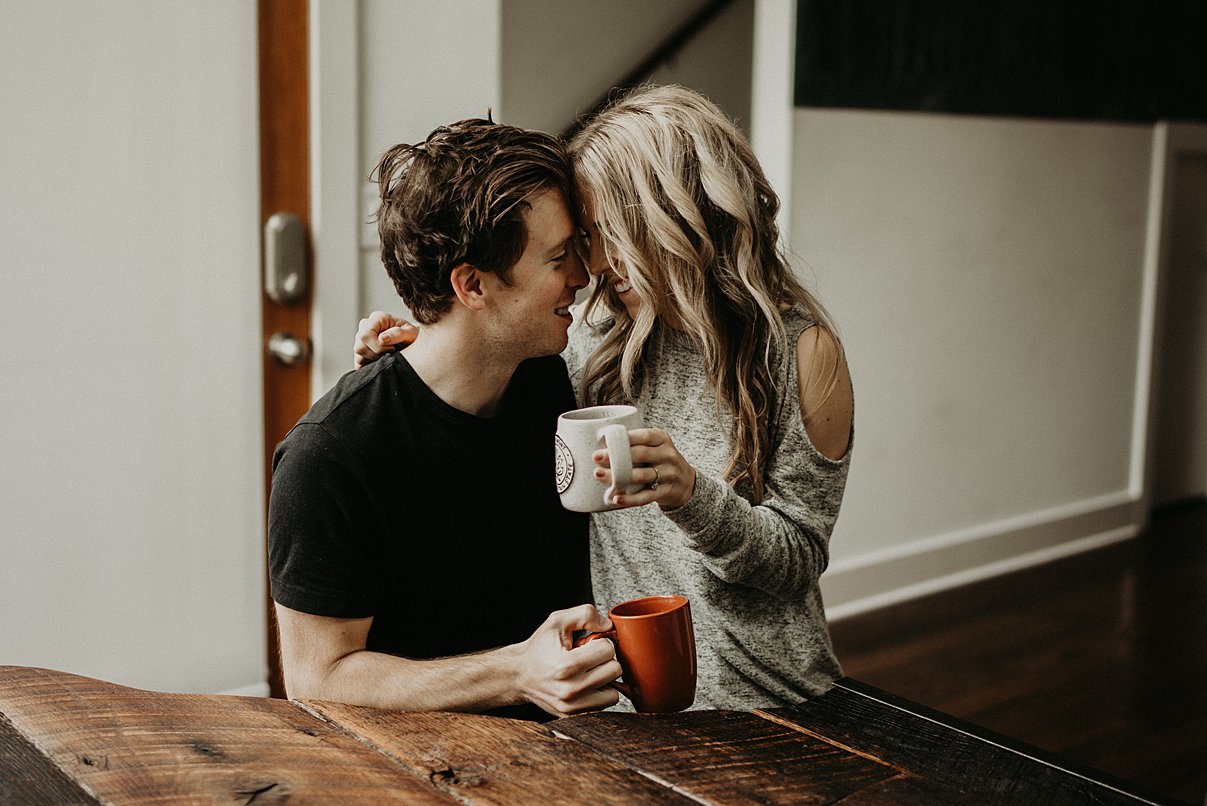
x: 459, y: 197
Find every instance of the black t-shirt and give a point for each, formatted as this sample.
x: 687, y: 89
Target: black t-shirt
x: 445, y: 527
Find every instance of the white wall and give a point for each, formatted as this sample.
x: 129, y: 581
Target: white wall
x: 131, y: 500
x: 418, y: 69
x: 986, y: 278
x: 560, y: 56
x: 717, y: 61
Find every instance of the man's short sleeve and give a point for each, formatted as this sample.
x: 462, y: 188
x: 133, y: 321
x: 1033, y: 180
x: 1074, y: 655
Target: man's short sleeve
x: 320, y: 528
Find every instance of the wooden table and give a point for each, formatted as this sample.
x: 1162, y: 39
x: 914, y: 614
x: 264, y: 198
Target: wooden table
x: 66, y: 739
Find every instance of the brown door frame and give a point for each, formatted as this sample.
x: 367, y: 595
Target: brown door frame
x: 284, y: 186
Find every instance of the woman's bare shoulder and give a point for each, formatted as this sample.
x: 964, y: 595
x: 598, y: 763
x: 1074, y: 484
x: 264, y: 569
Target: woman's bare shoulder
x: 826, y: 397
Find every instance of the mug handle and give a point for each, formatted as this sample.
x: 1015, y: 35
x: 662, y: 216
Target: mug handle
x: 611, y: 636
x: 620, y: 456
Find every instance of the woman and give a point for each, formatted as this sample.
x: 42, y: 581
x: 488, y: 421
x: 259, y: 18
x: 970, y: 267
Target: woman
x: 698, y: 321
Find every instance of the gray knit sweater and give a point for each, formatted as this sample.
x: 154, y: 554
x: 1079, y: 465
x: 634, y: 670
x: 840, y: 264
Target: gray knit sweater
x: 750, y: 571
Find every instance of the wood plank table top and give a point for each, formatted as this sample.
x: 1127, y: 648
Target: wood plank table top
x: 66, y: 739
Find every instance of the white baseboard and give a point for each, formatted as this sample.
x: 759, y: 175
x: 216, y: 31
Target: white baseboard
x: 927, y: 566
x: 252, y: 690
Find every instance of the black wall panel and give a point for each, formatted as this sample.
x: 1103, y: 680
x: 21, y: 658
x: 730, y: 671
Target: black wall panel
x: 1126, y: 60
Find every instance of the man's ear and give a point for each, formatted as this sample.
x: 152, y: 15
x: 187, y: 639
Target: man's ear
x: 467, y: 285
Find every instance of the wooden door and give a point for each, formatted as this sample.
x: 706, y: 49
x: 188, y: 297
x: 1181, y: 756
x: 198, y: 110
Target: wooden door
x: 284, y: 187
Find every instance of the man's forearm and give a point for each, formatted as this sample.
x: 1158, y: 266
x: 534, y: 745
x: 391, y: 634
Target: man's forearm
x: 324, y: 659
x: 475, y: 682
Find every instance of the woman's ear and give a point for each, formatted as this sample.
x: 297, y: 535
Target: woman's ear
x: 467, y: 285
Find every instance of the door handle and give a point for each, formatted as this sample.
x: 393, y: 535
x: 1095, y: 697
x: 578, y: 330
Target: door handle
x: 285, y: 275
x: 288, y: 349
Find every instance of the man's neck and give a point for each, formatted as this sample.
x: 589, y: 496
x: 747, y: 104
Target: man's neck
x: 459, y: 370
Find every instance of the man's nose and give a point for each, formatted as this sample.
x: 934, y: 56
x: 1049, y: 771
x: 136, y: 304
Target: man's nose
x: 577, y: 277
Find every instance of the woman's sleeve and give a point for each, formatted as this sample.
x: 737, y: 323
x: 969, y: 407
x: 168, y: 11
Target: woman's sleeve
x: 782, y: 545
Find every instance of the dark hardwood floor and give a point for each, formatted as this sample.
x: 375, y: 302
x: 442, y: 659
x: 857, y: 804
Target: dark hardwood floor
x: 1100, y: 658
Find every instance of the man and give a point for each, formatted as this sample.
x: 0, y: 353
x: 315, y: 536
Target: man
x: 424, y: 595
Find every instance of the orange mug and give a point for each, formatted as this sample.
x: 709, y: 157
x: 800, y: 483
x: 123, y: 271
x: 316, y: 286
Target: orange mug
x: 656, y: 647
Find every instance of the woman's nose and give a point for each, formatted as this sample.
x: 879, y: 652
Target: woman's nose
x: 597, y: 264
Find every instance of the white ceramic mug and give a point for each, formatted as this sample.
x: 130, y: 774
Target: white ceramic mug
x: 580, y: 433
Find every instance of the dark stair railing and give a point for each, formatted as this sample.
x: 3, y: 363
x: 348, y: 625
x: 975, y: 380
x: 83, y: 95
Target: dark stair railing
x: 666, y: 50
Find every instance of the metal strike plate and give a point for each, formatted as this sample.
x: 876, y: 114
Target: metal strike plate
x: 285, y: 276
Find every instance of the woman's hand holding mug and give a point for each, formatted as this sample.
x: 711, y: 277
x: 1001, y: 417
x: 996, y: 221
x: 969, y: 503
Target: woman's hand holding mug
x: 579, y: 434
x: 606, y: 460
x: 669, y: 479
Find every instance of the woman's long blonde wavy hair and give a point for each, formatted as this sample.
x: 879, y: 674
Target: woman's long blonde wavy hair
x: 682, y: 202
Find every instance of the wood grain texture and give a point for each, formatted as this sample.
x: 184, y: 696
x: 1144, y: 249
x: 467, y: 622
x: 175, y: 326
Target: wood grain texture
x: 940, y: 748
x: 910, y: 789
x: 74, y: 740
x: 130, y: 746
x: 485, y: 759
x: 30, y: 778
x: 738, y: 758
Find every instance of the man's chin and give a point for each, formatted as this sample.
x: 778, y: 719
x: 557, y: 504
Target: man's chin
x: 559, y: 346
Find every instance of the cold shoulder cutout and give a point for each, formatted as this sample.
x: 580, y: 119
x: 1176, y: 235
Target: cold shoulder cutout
x: 826, y: 398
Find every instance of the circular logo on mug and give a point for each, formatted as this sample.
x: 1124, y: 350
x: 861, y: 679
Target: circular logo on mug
x: 564, y: 461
